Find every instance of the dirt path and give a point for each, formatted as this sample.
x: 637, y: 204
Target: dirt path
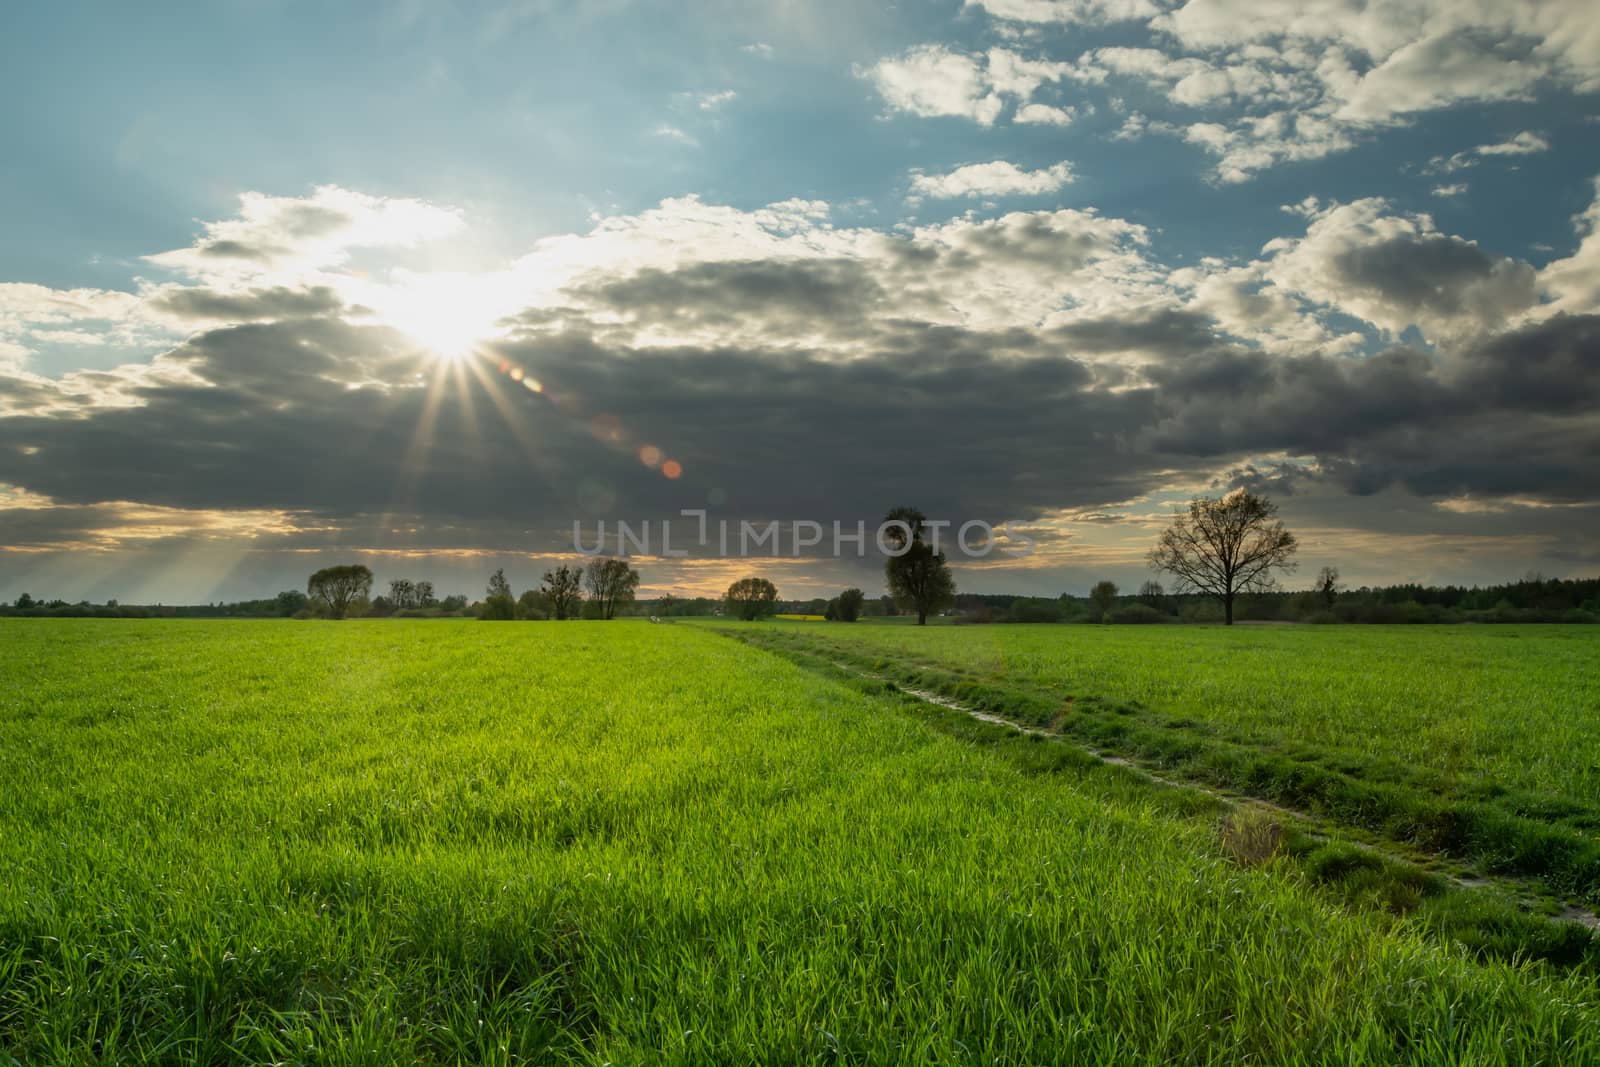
x: 1571, y: 913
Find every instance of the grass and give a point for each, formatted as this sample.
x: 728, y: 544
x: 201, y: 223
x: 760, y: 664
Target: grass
x: 1474, y: 742
x: 611, y: 842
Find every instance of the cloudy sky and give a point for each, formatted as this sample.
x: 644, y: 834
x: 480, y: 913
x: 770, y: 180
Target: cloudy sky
x: 421, y: 284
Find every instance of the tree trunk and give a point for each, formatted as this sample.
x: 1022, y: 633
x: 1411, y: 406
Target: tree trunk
x: 1227, y: 610
x: 922, y: 617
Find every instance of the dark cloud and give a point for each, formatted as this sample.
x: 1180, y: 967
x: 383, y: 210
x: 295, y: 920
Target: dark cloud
x: 1552, y: 367
x: 1163, y: 332
x: 723, y: 293
x: 333, y: 419
x: 225, y: 249
x: 253, y: 305
x: 1512, y: 415
x: 364, y: 439
x: 1432, y: 273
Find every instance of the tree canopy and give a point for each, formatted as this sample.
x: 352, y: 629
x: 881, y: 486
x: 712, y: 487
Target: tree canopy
x: 499, y: 604
x: 918, y: 577
x: 340, y: 586
x: 563, y: 588
x: 611, y: 584
x: 847, y: 607
x: 751, y: 598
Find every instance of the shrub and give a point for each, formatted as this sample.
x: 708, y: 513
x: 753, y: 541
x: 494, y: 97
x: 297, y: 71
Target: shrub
x: 1034, y: 611
x: 1136, y: 613
x: 498, y: 607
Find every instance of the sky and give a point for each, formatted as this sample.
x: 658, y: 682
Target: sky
x: 425, y: 284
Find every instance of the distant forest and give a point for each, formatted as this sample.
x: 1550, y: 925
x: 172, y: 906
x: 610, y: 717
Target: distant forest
x: 1533, y: 599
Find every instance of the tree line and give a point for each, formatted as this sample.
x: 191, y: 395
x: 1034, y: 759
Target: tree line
x: 1224, y: 556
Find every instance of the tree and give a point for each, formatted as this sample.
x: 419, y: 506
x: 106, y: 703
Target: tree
x: 919, y: 578
x: 498, y: 586
x: 1102, y: 596
x: 533, y: 604
x: 499, y: 605
x: 1152, y: 594
x: 25, y: 601
x: 402, y: 593
x: 423, y: 591
x: 847, y: 607
x: 1327, y: 586
x: 290, y: 601
x: 751, y: 598
x: 563, y: 587
x: 340, y: 586
x: 1225, y: 546
x: 611, y: 584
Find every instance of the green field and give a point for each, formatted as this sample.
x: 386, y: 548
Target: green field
x: 456, y: 842
x: 1478, y: 743
x: 1518, y: 705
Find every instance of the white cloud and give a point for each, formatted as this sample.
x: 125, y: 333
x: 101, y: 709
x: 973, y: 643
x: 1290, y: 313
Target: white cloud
x: 1046, y: 115
x: 673, y: 133
x: 931, y: 80
x: 758, y: 48
x: 1573, y: 283
x: 1015, y: 270
x: 1086, y: 12
x: 1525, y: 143
x: 712, y: 101
x: 1396, y: 271
x: 33, y: 315
x: 1454, y: 189
x: 285, y: 235
x: 998, y: 178
x: 1294, y: 80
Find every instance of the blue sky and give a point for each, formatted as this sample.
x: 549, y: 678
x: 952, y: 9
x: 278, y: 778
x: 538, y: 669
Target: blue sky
x: 1308, y: 188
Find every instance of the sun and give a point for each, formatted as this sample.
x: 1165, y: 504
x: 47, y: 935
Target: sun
x: 444, y: 330
x: 450, y: 315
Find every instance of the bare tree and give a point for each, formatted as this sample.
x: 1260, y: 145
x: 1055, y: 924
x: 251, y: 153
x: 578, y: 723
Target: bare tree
x: 402, y: 593
x: 340, y: 586
x: 1225, y: 546
x: 564, y: 589
x: 611, y: 584
x: 1327, y: 586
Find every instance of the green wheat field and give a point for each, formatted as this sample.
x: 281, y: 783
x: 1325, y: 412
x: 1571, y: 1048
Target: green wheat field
x: 791, y: 842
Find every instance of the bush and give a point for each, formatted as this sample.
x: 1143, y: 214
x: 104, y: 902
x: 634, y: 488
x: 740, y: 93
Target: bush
x: 1205, y: 611
x: 1258, y: 609
x: 498, y: 607
x: 1136, y: 613
x: 1034, y: 611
